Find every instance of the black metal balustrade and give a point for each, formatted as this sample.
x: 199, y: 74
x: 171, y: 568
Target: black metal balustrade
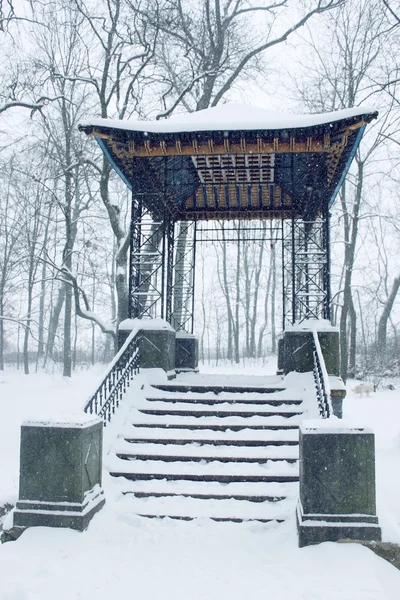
x: 123, y: 368
x: 321, y: 380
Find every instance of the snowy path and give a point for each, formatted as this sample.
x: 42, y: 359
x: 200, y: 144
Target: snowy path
x: 122, y: 556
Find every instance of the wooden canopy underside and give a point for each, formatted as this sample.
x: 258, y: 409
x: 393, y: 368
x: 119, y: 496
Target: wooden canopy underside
x: 235, y: 174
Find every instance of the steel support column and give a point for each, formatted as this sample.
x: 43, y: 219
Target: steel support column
x: 306, y: 269
x: 146, y: 280
x: 180, y: 277
x: 170, y: 239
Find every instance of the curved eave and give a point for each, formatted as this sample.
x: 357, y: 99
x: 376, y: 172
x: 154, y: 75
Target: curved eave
x: 115, y: 163
x: 347, y: 165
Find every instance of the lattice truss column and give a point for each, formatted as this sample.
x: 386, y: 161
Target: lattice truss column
x: 306, y: 269
x: 146, y: 282
x: 180, y: 293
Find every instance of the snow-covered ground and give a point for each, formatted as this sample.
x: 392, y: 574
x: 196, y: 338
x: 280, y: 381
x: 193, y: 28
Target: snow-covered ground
x: 122, y: 555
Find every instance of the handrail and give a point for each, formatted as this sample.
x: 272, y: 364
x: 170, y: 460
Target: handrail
x: 116, y: 380
x: 321, y: 379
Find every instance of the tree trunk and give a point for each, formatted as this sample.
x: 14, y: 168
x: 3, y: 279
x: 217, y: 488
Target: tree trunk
x: 247, y: 293
x: 40, y: 346
x: 53, y: 323
x: 226, y: 292
x: 273, y: 304
x: 383, y: 320
x: 236, y: 329
x: 350, y: 237
x: 353, y: 340
x: 254, y: 311
x: 179, y: 302
x: 27, y: 330
x: 1, y: 329
x: 67, y: 349
x: 266, y: 307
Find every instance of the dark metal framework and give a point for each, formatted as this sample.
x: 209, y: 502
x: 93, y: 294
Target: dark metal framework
x: 239, y: 231
x: 163, y: 257
x: 305, y: 269
x: 162, y: 262
x: 181, y: 293
x: 146, y: 281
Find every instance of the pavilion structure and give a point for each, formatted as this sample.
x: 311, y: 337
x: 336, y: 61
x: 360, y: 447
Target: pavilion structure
x: 230, y: 162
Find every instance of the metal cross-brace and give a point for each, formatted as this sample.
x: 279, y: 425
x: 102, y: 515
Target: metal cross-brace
x: 306, y: 269
x: 180, y: 275
x: 146, y: 282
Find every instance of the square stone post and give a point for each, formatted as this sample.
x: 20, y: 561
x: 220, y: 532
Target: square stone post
x: 60, y: 473
x: 186, y: 352
x: 337, y: 483
x: 296, y: 354
x: 156, y: 341
x: 298, y: 347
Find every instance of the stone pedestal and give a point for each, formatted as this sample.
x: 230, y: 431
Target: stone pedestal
x: 281, y: 357
x: 298, y: 349
x: 337, y: 483
x: 156, y: 340
x: 296, y: 354
x: 60, y: 473
x: 338, y: 394
x: 186, y: 352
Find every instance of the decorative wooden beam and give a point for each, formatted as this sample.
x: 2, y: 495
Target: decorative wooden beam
x: 243, y: 214
x: 335, y: 153
x: 132, y: 149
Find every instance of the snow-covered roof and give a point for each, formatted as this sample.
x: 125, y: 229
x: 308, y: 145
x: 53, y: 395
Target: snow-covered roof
x: 231, y: 117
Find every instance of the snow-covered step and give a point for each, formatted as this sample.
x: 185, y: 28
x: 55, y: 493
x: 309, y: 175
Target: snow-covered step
x: 209, y: 416
x: 222, y: 510
x: 218, y: 401
x: 220, y: 412
x: 205, y: 470
x: 244, y: 437
x: 223, y: 434
x: 220, y: 395
x: 212, y: 426
x: 207, y: 467
x: 209, y: 452
x: 219, y: 442
x: 254, y: 492
x: 217, y: 389
x: 222, y: 379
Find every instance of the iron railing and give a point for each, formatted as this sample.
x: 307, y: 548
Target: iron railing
x: 117, y: 379
x: 321, y: 379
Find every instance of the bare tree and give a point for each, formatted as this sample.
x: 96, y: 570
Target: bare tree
x: 119, y: 49
x: 345, y: 74
x: 207, y: 47
x: 11, y: 212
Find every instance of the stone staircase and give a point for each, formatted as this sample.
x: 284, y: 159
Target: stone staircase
x: 228, y: 452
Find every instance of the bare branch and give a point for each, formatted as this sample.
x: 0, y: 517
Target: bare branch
x: 321, y: 8
x: 187, y: 89
x: 390, y: 9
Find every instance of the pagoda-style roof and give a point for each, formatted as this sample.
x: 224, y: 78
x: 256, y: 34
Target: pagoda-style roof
x: 234, y: 161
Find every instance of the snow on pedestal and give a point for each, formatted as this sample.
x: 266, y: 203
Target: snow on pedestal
x: 60, y: 472
x: 337, y: 482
